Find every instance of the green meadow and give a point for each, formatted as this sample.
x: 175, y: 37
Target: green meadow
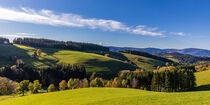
x: 111, y: 96
x: 93, y: 62
x: 144, y: 62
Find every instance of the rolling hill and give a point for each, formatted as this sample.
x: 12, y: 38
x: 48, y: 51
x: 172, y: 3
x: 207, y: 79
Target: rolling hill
x: 93, y: 62
x: 183, y: 58
x: 190, y: 51
x: 111, y: 96
x: 144, y: 62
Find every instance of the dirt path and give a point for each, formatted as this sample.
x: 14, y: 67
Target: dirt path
x: 8, y: 98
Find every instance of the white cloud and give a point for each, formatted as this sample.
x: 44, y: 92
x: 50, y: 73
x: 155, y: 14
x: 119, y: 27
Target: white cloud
x: 17, y: 35
x: 48, y: 17
x: 179, y: 33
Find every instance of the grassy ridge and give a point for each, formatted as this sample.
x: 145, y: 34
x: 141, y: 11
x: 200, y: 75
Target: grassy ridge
x: 144, y: 62
x: 93, y: 62
x: 111, y: 96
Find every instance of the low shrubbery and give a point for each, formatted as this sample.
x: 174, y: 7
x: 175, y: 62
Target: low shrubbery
x: 7, y: 86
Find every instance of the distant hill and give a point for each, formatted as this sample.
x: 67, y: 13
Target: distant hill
x: 183, y: 58
x: 190, y: 51
x: 141, y: 60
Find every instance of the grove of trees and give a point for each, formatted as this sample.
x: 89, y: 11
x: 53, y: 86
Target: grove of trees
x: 7, y: 86
x: 4, y: 40
x: 47, y: 76
x: 47, y: 43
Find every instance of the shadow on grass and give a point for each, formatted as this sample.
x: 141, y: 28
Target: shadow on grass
x: 113, y: 67
x: 203, y: 88
x: 21, y: 53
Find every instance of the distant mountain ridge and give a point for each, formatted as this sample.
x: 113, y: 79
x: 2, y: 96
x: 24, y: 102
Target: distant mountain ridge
x: 190, y: 51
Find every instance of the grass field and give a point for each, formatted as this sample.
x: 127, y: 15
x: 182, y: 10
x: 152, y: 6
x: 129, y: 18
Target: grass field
x: 111, y: 96
x: 116, y: 96
x: 203, y: 80
x: 144, y: 62
x: 93, y: 62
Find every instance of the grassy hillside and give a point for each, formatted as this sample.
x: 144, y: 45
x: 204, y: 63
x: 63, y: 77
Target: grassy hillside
x: 111, y: 96
x: 93, y: 62
x: 202, y: 78
x: 144, y: 62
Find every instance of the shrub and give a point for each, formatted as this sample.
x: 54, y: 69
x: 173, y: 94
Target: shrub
x: 116, y: 82
x: 63, y: 85
x: 23, y: 86
x: 97, y: 82
x: 92, y: 76
x: 85, y: 83
x: 51, y: 88
x: 108, y: 84
x: 7, y: 86
x: 35, y: 86
x: 70, y: 83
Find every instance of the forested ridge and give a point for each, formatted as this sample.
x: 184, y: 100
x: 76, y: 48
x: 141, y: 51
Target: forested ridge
x: 47, y: 43
x: 184, y: 58
x: 147, y: 55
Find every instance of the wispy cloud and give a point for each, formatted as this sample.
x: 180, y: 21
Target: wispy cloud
x: 49, y: 17
x: 17, y: 35
x: 179, y: 33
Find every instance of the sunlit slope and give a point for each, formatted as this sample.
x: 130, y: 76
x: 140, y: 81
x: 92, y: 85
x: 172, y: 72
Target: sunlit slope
x: 111, y: 96
x: 144, y: 62
x: 9, y: 52
x: 93, y: 62
x: 203, y: 78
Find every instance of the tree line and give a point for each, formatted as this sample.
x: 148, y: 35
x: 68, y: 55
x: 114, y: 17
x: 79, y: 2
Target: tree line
x: 168, y: 80
x: 185, y: 58
x: 3, y: 40
x: 46, y: 76
x: 47, y: 43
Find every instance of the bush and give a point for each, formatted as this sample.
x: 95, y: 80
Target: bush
x: 23, y: 86
x: 108, y: 84
x: 63, y: 85
x: 51, y: 88
x: 116, y: 82
x: 70, y: 83
x: 97, y: 82
x: 7, y: 86
x: 85, y: 83
x: 35, y: 86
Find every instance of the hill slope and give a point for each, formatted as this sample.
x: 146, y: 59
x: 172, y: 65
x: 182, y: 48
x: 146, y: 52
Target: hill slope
x: 105, y: 66
x: 144, y: 62
x: 94, y: 61
x: 202, y: 78
x: 183, y: 58
x: 111, y: 96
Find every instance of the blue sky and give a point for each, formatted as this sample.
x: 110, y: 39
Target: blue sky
x: 127, y: 23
